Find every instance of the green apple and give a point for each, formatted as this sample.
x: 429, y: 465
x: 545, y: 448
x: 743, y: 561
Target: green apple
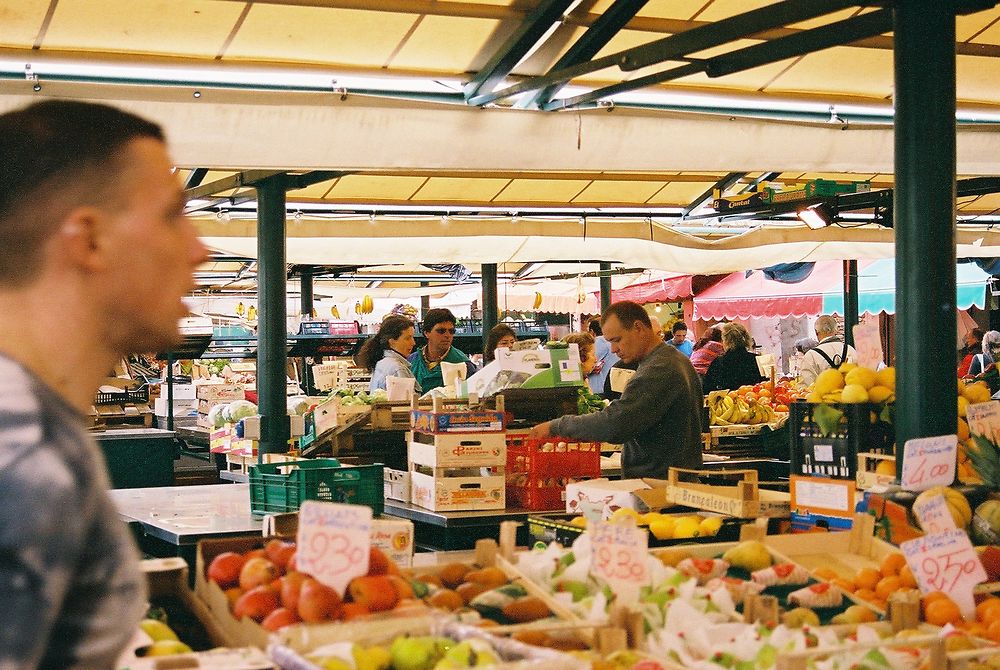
x: 414, y: 653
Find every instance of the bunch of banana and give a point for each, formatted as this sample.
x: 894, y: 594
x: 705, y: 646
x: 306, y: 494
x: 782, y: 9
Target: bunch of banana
x: 721, y: 409
x: 724, y: 411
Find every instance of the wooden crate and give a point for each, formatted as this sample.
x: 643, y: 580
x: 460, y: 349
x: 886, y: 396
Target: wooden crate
x: 457, y: 489
x: 746, y: 499
x: 867, y: 477
x: 333, y: 414
x: 457, y: 450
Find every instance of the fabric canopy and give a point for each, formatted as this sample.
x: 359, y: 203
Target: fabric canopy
x: 877, y: 289
x: 666, y: 289
x: 740, y: 297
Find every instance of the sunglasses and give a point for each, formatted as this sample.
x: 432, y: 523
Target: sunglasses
x: 442, y: 331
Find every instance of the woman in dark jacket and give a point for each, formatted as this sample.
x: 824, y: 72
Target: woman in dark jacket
x: 737, y: 366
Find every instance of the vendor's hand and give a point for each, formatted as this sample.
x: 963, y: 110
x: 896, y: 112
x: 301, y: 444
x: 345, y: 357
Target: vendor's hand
x: 541, y: 431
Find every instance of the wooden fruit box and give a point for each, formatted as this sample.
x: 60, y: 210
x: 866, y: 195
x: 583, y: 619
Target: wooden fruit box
x: 867, y: 477
x: 333, y: 414
x: 457, y: 450
x: 742, y: 429
x: 746, y: 499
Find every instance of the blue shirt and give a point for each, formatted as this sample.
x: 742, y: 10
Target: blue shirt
x: 605, y: 360
x: 685, y: 347
x: 392, y: 364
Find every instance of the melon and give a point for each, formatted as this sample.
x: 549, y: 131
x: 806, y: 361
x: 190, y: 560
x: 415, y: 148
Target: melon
x: 986, y: 523
x: 957, y: 504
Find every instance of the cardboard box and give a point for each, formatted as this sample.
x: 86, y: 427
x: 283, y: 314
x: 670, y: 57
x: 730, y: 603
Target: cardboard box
x: 478, y: 421
x: 181, y: 407
x: 395, y: 538
x: 396, y: 484
x: 333, y: 413
x: 181, y: 391
x: 457, y: 451
x: 597, y: 499
x: 449, y: 490
x: 219, y: 393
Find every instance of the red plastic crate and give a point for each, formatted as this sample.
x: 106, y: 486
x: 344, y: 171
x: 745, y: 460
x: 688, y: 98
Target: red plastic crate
x: 538, y: 470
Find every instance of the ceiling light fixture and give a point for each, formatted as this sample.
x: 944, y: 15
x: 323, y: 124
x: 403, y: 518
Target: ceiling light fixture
x: 816, y: 216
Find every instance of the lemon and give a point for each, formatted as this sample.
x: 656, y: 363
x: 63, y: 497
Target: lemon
x: 880, y: 394
x: 886, y: 467
x: 623, y: 512
x: 854, y: 393
x: 977, y: 392
x: 963, y: 405
x: 828, y: 381
x: 687, y: 526
x: 647, y: 518
x: 710, y: 525
x: 862, y: 376
x: 847, y: 367
x: 814, y: 397
x: 580, y: 521
x: 886, y: 377
x: 662, y: 528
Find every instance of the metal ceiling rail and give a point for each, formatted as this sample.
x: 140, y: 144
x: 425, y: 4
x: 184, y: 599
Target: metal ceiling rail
x: 797, y: 44
x: 723, y: 184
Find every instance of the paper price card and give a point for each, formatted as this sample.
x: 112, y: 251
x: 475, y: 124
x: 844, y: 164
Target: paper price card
x: 868, y: 344
x: 928, y: 462
x: 934, y: 515
x: 946, y: 562
x: 984, y: 419
x: 619, y: 552
x: 334, y: 542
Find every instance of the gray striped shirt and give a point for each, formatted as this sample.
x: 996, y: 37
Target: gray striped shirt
x: 71, y: 591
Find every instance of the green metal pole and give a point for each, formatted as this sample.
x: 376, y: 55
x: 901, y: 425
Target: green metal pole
x: 605, y: 288
x: 850, y: 300
x: 425, y: 303
x: 924, y: 208
x: 271, y: 331
x: 489, y: 274
x: 306, y: 310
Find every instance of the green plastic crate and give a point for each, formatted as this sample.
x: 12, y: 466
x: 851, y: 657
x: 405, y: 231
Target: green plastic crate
x: 273, y: 491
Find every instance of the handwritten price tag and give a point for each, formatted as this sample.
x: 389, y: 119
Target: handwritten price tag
x: 333, y: 542
x: 928, y: 462
x: 619, y: 554
x: 984, y: 419
x: 934, y: 515
x: 868, y: 344
x: 946, y: 562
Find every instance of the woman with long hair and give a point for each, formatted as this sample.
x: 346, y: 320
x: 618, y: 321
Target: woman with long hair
x: 501, y: 335
x: 737, y: 366
x: 706, y: 350
x: 385, y: 353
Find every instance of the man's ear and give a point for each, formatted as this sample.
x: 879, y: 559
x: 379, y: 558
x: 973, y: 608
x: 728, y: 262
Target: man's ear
x: 83, y: 241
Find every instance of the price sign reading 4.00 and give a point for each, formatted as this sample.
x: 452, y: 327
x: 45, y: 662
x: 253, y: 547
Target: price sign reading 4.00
x: 333, y: 542
x: 929, y: 462
x: 618, y: 556
x: 946, y: 562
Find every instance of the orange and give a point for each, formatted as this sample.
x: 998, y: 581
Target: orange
x: 906, y: 578
x: 845, y: 585
x: 867, y: 578
x: 865, y: 594
x: 878, y: 603
x: 892, y: 563
x: 988, y: 610
x: 993, y: 631
x: 825, y: 573
x: 942, y: 611
x: 887, y: 586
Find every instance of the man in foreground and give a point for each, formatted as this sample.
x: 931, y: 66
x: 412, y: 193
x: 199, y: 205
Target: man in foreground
x: 658, y: 417
x: 95, y: 256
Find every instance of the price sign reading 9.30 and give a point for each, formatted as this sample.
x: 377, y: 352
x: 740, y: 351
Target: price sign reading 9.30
x: 946, y: 562
x: 619, y: 552
x: 333, y: 542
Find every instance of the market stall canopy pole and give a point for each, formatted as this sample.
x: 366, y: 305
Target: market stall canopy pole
x: 850, y: 299
x: 924, y: 207
x: 489, y: 303
x: 605, y: 287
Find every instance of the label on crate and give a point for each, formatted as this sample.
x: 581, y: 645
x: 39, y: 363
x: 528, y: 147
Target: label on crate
x: 569, y: 371
x: 929, y: 462
x: 933, y: 515
x: 948, y: 563
x: 334, y: 541
x: 619, y: 553
x: 822, y: 496
x: 868, y: 344
x: 984, y: 419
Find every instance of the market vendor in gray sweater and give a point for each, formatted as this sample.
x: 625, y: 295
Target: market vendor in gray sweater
x: 658, y: 417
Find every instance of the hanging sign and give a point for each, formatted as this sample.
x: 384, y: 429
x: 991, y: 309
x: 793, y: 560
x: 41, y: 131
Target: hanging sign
x: 948, y: 563
x: 619, y: 552
x: 868, y: 344
x: 334, y: 542
x: 929, y: 462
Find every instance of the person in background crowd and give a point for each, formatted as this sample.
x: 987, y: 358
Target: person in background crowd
x: 585, y: 343
x: 501, y: 335
x: 737, y: 366
x: 707, y: 349
x: 989, y: 356
x: 831, y: 351
x: 95, y: 258
x: 385, y: 354
x: 678, y: 338
x: 439, y: 329
x: 605, y: 358
x: 657, y: 326
x: 658, y: 418
x: 973, y: 345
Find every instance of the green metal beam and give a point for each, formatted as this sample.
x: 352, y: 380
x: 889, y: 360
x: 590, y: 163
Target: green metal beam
x: 547, y: 14
x: 195, y: 178
x: 315, y: 177
x: 721, y: 185
x: 605, y: 287
x: 924, y: 208
x: 489, y: 282
x: 238, y: 180
x: 850, y: 299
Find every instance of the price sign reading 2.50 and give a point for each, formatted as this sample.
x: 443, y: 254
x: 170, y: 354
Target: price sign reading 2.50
x: 334, y: 542
x: 619, y: 555
x: 946, y: 562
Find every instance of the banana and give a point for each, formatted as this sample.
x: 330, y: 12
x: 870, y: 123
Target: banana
x: 730, y: 408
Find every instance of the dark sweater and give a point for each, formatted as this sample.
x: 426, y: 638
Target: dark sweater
x: 731, y: 370
x: 657, y: 419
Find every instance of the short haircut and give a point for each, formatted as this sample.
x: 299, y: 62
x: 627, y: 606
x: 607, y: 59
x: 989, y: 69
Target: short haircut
x: 497, y: 333
x: 678, y: 325
x: 58, y: 155
x: 627, y: 312
x: 735, y: 336
x: 594, y: 326
x: 585, y: 341
x: 826, y: 324
x: 436, y: 316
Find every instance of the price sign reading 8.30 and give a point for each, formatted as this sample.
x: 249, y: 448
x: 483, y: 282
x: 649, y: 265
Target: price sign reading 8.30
x: 619, y: 552
x: 946, y: 562
x: 333, y: 542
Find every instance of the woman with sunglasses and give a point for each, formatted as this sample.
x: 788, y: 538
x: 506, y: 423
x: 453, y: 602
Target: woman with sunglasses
x: 439, y: 329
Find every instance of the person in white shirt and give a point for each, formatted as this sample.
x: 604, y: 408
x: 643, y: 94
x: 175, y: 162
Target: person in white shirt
x: 829, y: 353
